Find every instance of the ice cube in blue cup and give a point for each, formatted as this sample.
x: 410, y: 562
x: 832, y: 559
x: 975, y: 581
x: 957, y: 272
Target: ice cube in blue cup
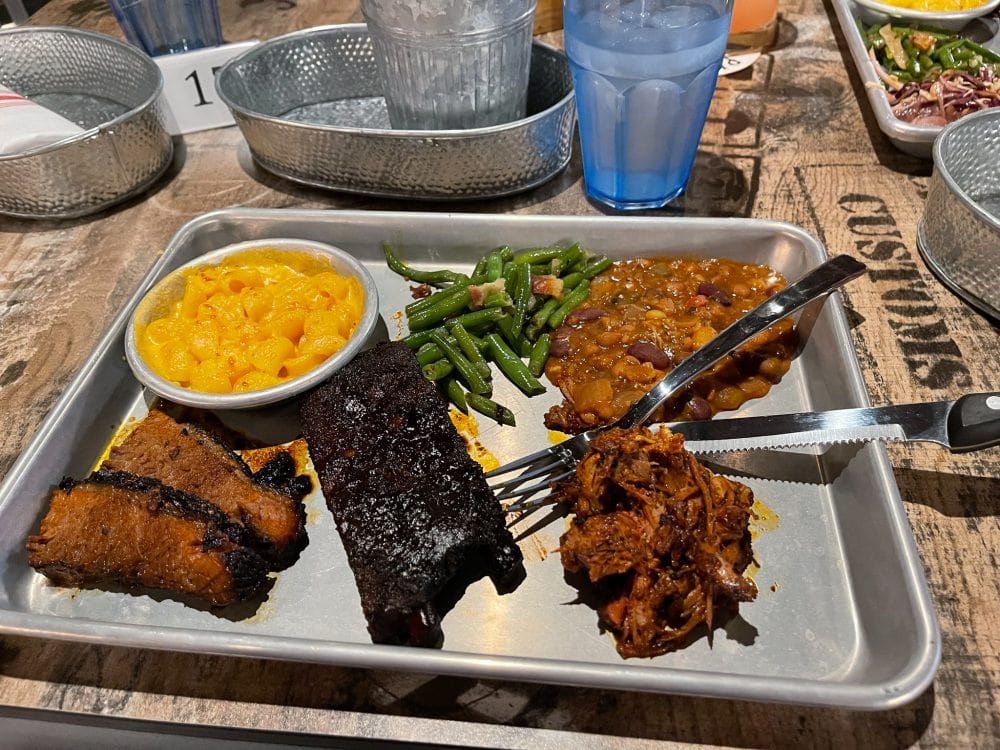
x: 163, y: 27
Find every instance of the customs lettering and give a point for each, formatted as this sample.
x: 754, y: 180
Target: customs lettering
x: 928, y: 348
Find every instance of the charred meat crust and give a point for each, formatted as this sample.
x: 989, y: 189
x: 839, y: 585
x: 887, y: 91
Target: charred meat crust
x: 412, y: 508
x: 171, y: 501
x: 279, y: 475
x: 193, y: 460
x: 114, y: 527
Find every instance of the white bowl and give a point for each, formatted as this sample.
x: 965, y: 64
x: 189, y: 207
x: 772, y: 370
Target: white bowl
x: 872, y: 11
x: 171, y: 286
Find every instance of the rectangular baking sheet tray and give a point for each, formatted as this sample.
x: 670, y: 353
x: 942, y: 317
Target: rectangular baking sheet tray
x: 843, y: 617
x: 913, y: 139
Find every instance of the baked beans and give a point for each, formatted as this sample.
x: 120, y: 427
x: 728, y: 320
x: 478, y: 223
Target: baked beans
x: 642, y: 318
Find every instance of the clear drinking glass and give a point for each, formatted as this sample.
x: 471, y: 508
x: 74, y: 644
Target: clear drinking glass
x: 162, y: 27
x: 644, y: 72
x: 452, y: 64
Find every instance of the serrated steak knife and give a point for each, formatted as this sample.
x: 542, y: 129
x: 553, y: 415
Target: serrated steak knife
x: 969, y: 423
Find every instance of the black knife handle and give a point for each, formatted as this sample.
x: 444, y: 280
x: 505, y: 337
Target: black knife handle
x: 974, y: 422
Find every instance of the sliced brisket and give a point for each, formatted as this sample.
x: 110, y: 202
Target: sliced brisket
x: 196, y: 462
x: 133, y: 531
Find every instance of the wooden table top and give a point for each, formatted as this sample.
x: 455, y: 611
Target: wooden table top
x: 790, y: 139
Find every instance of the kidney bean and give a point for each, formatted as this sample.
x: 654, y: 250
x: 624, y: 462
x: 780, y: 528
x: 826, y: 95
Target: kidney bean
x: 559, y: 341
x: 584, y: 314
x: 700, y: 408
x: 647, y: 352
x: 710, y: 290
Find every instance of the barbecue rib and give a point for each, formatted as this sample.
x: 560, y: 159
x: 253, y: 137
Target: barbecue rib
x: 115, y: 527
x: 194, y: 461
x: 413, y: 509
x: 665, y: 540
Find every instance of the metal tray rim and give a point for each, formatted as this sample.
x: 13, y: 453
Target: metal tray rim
x: 395, y: 194
x: 110, y: 124
x: 444, y: 134
x: 892, y: 692
x: 896, y: 130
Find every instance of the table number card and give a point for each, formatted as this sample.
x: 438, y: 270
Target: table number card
x: 191, y: 102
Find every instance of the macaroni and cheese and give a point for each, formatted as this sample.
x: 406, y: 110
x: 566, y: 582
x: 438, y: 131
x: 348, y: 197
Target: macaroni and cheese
x: 257, y: 319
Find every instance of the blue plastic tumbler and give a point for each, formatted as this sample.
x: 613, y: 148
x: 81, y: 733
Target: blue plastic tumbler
x: 162, y: 27
x: 644, y: 72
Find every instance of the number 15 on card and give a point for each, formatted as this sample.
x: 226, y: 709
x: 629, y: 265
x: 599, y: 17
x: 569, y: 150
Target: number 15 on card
x: 191, y: 102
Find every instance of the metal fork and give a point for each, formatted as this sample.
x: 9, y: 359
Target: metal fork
x: 559, y: 461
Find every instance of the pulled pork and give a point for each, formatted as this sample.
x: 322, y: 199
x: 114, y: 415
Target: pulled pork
x: 665, y: 540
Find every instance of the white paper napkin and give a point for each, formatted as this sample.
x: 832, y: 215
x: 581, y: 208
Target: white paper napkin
x: 26, y: 125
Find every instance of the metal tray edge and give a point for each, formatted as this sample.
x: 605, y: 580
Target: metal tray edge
x: 909, y: 138
x: 902, y: 688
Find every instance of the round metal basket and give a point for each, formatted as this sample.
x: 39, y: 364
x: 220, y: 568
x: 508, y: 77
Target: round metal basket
x: 310, y: 106
x: 959, y: 232
x: 108, y: 88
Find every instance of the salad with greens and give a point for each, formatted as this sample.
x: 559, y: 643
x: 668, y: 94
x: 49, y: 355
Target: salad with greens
x: 932, y: 77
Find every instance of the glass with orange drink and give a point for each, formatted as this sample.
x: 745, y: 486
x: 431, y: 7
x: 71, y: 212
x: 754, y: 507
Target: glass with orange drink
x: 754, y: 24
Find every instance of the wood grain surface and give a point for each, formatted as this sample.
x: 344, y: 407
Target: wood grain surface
x: 790, y: 139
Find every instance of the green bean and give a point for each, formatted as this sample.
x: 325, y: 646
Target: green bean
x: 433, y: 299
x: 494, y: 266
x: 571, y: 255
x: 491, y: 409
x: 517, y: 341
x: 567, y: 260
x: 539, y: 318
x: 984, y: 52
x: 437, y: 370
x: 477, y: 318
x: 947, y: 46
x: 540, y: 269
x: 473, y: 379
x: 571, y: 300
x: 470, y: 348
x: 453, y: 390
x: 423, y: 277
x: 431, y: 316
x: 571, y: 280
x: 480, y: 269
x: 509, y: 272
x: 417, y: 340
x: 538, y: 254
x: 481, y: 344
x: 595, y: 266
x: 539, y: 353
x: 522, y: 296
x: 429, y: 353
x: 512, y: 366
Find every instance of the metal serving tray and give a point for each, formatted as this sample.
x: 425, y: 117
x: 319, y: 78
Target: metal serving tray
x: 843, y: 618
x: 913, y: 139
